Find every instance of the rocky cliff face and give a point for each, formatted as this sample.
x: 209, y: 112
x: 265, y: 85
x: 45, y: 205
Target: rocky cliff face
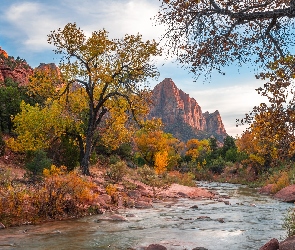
x: 182, y: 115
x: 16, y: 69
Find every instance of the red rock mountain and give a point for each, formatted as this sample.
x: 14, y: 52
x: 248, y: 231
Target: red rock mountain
x: 16, y: 69
x: 182, y: 115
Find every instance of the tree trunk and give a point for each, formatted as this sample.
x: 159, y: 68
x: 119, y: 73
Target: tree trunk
x: 87, y: 154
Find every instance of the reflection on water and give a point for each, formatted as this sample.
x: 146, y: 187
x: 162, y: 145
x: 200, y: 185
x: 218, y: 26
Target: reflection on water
x: 247, y: 223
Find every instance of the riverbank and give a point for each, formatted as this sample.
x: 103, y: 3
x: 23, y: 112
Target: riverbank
x: 61, y: 195
x: 230, y: 222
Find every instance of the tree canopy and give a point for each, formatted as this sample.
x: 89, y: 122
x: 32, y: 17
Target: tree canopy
x: 102, y: 89
x: 272, y: 123
x: 210, y: 34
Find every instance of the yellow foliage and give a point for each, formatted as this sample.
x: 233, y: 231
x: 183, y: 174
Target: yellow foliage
x: 256, y: 158
x: 280, y: 180
x: 161, y: 162
x: 37, y: 127
x: 196, y: 148
x: 151, y: 142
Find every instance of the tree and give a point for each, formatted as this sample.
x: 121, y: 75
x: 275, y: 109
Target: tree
x: 157, y: 148
x: 211, y: 34
x: 228, y: 143
x: 273, y: 124
x: 113, y: 74
x: 11, y: 95
x: 197, y: 150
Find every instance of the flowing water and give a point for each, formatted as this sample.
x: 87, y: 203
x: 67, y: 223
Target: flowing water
x: 247, y: 222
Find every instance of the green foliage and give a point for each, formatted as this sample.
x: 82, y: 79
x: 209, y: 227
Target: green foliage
x: 124, y: 151
x: 65, y: 152
x: 11, y: 96
x: 149, y: 177
x: 289, y: 222
x: 117, y: 171
x: 217, y: 165
x: 38, y: 161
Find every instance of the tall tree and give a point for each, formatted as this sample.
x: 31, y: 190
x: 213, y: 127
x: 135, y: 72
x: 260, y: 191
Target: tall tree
x: 104, y: 86
x: 112, y: 72
x: 273, y: 123
x: 210, y: 34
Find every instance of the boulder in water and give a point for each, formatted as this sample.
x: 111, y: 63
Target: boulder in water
x: 156, y: 247
x: 273, y: 244
x: 288, y: 243
x: 286, y: 194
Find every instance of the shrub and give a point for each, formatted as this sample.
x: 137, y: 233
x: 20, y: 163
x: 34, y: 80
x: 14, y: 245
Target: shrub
x: 149, y: 177
x: 117, y: 171
x: 289, y: 222
x: 39, y: 161
x: 112, y: 191
x: 280, y: 180
x: 186, y: 179
x: 217, y: 166
x: 60, y: 195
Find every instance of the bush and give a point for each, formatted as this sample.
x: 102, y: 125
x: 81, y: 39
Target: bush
x: 186, y: 179
x: 289, y: 222
x: 117, y: 171
x: 60, y: 195
x: 217, y: 166
x: 149, y: 177
x: 280, y: 180
x: 37, y: 163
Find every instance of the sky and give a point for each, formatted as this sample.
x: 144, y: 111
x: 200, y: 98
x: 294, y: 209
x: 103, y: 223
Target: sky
x: 26, y: 24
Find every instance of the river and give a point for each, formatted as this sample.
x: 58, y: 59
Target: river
x: 247, y: 222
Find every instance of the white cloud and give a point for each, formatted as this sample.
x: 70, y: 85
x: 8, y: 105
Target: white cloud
x: 233, y: 102
x: 32, y: 21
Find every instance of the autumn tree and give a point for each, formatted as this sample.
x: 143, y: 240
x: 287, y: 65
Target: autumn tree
x: 272, y: 124
x: 105, y: 87
x: 197, y: 150
x: 157, y: 148
x: 210, y: 34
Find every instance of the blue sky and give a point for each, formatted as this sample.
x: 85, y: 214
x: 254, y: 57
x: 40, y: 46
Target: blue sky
x: 26, y: 24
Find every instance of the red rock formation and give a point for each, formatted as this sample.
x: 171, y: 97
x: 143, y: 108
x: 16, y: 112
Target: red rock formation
x: 18, y: 69
x: 175, y: 107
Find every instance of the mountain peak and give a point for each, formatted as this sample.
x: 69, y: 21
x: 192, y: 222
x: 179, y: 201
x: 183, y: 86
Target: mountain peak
x: 180, y: 113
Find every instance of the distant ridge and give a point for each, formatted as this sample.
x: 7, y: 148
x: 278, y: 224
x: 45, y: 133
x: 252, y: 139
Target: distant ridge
x: 182, y: 115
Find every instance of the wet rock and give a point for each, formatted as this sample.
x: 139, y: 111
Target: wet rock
x: 1, y: 226
x: 221, y: 220
x: 112, y: 217
x: 286, y: 194
x: 156, y: 247
x: 288, y: 244
x: 134, y: 194
x: 130, y: 215
x: 199, y: 248
x: 194, y: 207
x: 226, y: 202
x: 182, y: 194
x: 142, y: 205
x: 167, y: 206
x: 273, y: 244
x: 203, y: 218
x: 266, y: 189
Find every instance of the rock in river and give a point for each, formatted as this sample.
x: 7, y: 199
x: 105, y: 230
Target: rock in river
x: 286, y: 194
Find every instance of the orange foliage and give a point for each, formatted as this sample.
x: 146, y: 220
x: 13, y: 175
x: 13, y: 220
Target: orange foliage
x: 61, y: 195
